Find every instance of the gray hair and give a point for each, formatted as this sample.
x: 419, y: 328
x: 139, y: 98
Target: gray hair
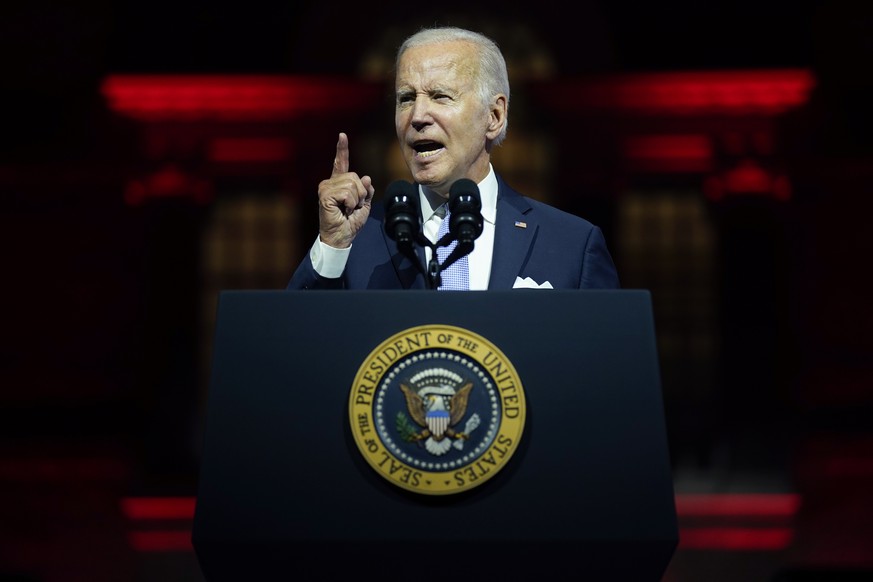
x: 493, y: 77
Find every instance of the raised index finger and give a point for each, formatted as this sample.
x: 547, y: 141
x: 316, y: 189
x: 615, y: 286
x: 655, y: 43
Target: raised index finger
x: 341, y: 161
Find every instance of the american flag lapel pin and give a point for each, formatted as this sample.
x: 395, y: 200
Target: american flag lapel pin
x: 520, y: 224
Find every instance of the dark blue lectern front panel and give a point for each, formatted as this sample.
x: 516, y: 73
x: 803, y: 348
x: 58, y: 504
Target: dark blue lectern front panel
x: 284, y: 490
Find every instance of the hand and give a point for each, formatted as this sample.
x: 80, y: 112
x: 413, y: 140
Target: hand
x: 344, y: 200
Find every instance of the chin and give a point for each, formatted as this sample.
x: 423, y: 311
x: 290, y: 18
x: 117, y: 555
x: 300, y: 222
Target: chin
x: 428, y: 177
x: 424, y: 178
x: 438, y: 186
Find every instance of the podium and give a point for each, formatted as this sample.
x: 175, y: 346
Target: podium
x: 286, y: 493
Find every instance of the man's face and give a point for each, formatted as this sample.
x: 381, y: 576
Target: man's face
x: 441, y: 123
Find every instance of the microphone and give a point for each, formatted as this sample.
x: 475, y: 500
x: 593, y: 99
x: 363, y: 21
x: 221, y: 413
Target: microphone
x: 465, y: 211
x: 402, y: 219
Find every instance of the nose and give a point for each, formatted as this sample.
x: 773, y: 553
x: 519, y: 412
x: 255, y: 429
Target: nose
x: 420, y: 114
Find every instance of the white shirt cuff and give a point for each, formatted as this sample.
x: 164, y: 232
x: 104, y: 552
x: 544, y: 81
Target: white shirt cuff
x: 328, y: 262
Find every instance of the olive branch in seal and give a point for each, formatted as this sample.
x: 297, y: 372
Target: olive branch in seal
x: 406, y: 429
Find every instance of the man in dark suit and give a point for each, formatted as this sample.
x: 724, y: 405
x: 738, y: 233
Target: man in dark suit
x: 451, y: 110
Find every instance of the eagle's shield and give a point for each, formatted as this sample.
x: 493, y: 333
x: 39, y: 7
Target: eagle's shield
x: 437, y: 422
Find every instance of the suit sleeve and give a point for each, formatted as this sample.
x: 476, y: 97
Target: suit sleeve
x: 598, y: 268
x: 321, y: 268
x: 306, y: 277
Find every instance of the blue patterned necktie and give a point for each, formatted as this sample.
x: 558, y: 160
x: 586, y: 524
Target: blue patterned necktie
x: 455, y: 277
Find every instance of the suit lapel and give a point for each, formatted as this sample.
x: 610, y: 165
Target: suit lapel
x: 514, y: 232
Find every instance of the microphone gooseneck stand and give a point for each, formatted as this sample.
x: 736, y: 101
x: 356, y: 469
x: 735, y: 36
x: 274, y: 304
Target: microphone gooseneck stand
x: 434, y: 267
x: 403, y: 225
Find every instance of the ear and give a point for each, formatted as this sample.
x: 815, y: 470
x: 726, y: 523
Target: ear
x: 497, y: 116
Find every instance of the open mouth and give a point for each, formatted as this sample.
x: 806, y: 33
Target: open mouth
x: 425, y: 149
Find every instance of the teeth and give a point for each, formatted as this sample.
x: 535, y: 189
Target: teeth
x: 427, y: 154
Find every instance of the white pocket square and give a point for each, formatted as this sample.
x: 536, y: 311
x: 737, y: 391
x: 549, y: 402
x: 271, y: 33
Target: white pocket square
x: 528, y: 283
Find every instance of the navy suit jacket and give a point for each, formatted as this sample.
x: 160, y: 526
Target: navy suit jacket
x: 567, y: 251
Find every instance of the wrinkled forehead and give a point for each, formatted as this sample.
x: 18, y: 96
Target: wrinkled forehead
x: 438, y: 63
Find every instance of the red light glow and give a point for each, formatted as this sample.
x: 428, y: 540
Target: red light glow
x: 250, y: 149
x: 678, y: 153
x: 161, y: 541
x: 748, y: 178
x: 735, y: 538
x: 738, y: 505
x: 767, y: 92
x: 233, y: 97
x: 687, y: 505
x: 145, y: 508
x: 169, y: 181
x: 711, y: 538
x: 745, y: 505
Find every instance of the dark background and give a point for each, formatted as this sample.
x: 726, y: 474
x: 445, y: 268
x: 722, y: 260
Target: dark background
x: 100, y: 379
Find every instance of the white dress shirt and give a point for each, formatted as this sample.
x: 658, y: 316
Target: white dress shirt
x: 330, y: 262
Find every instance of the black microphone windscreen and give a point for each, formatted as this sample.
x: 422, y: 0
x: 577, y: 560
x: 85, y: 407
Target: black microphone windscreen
x: 464, y: 186
x: 401, y: 211
x: 465, y: 206
x: 399, y: 187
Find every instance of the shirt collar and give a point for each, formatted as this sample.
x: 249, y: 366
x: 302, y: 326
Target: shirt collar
x: 430, y: 201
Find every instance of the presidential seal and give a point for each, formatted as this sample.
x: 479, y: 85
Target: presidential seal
x: 437, y: 409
